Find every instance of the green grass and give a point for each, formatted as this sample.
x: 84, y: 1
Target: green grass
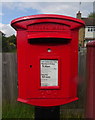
x: 72, y: 114
x: 19, y: 110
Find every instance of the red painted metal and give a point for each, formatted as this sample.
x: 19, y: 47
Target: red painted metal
x: 90, y: 100
x: 35, y: 35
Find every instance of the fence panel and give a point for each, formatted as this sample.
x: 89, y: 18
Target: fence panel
x: 9, y: 77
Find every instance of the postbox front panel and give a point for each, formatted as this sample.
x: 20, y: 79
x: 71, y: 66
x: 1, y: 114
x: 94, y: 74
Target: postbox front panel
x: 48, y: 70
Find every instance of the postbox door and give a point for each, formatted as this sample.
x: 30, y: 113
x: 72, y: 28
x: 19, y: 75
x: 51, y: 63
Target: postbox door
x: 50, y: 72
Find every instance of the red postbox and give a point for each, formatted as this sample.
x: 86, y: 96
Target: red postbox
x: 47, y: 51
x: 90, y: 90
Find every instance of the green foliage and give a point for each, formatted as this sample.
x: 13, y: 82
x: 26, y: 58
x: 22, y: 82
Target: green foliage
x: 12, y: 39
x: 4, y: 44
x: 91, y: 15
x: 8, y: 43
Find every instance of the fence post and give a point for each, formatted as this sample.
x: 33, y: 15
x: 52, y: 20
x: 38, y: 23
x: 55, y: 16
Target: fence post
x: 90, y: 90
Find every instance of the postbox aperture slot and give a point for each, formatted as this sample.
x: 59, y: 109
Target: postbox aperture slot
x: 49, y: 73
x: 49, y: 40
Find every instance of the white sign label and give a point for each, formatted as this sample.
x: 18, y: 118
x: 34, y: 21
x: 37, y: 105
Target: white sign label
x: 49, y: 72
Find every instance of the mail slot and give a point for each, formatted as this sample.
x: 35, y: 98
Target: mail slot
x: 47, y: 52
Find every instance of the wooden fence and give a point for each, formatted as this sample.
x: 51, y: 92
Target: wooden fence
x: 9, y: 76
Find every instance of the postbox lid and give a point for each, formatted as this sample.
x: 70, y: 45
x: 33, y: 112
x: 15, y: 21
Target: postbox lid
x: 44, y: 16
x: 44, y: 24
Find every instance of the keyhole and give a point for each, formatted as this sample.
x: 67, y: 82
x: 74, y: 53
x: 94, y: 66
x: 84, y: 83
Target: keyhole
x: 30, y: 66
